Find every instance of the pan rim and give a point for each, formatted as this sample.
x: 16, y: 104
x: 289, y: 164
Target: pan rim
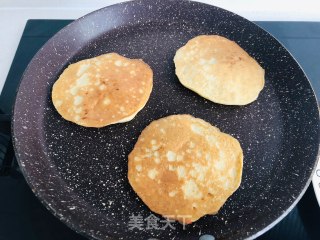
x: 69, y: 223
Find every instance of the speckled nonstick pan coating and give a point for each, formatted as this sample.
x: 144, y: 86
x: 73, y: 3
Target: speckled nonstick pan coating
x: 80, y: 174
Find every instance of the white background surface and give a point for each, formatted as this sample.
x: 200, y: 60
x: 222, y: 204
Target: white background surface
x: 15, y: 13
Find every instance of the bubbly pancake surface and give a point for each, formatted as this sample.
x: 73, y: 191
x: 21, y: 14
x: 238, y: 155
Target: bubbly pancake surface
x: 103, y: 90
x: 220, y: 70
x: 184, y: 168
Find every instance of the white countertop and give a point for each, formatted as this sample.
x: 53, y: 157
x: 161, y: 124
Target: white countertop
x: 19, y: 11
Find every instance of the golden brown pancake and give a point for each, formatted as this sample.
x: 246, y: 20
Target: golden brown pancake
x: 219, y: 70
x: 184, y: 168
x: 103, y: 90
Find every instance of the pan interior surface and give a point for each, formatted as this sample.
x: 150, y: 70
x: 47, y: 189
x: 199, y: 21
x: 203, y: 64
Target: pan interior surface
x: 80, y: 174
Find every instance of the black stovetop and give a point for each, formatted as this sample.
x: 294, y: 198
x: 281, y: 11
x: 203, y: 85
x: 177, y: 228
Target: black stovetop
x: 22, y: 216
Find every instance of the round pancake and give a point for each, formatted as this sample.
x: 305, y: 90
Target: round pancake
x: 219, y: 70
x: 103, y: 90
x: 184, y: 168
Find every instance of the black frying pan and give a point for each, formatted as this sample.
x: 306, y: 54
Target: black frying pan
x: 80, y: 174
